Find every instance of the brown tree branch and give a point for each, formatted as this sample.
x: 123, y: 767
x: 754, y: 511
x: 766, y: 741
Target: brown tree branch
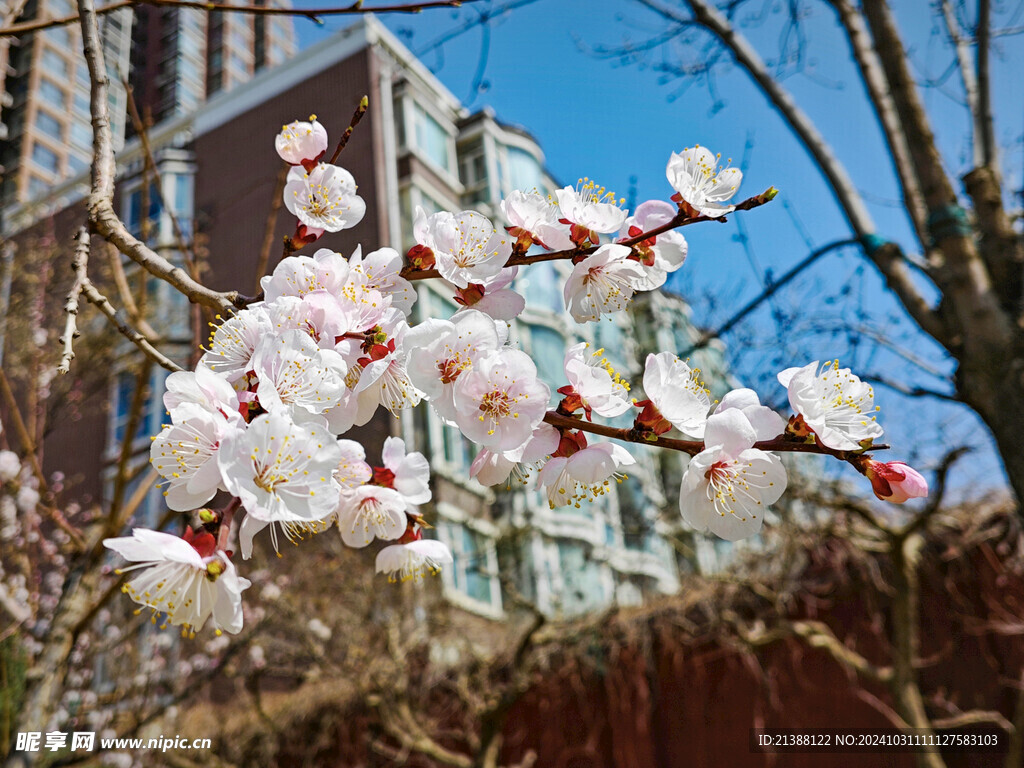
x: 888, y: 257
x: 681, y: 219
x: 117, y: 318
x: 256, y: 10
x: 965, y: 277
x: 79, y: 265
x: 873, y: 77
x: 100, y: 201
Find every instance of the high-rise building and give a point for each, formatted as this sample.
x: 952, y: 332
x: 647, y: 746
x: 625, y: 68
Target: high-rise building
x: 183, y: 56
x: 416, y: 147
x: 174, y: 59
x: 46, y: 135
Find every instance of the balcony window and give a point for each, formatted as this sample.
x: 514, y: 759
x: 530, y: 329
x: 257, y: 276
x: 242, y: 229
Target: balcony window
x: 474, y: 570
x: 524, y: 172
x: 547, y: 348
x: 431, y: 139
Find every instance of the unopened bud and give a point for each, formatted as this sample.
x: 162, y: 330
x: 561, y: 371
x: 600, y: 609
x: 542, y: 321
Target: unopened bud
x: 208, y: 516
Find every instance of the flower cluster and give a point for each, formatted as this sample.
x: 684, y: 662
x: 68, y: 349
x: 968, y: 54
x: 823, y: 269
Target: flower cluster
x: 281, y: 381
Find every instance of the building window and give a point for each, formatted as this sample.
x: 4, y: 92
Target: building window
x: 37, y: 187
x: 52, y: 94
x: 45, y: 158
x: 547, y: 348
x: 541, y: 287
x: 49, y: 125
x: 582, y: 587
x: 431, y: 139
x: 133, y: 212
x: 152, y: 409
x: 474, y: 570
x: 458, y: 450
x: 524, y: 172
x: 54, y: 64
x: 81, y: 135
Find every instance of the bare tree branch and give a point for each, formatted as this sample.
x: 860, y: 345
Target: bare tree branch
x: 258, y: 10
x: 887, y: 256
x: 79, y: 264
x: 867, y: 60
x: 117, y: 318
x: 100, y: 202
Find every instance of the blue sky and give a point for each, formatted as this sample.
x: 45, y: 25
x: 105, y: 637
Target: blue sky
x: 612, y: 121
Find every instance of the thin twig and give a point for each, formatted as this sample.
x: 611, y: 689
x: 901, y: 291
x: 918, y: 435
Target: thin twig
x: 117, y: 317
x: 268, y: 233
x: 681, y: 219
x: 80, y: 265
x: 259, y: 10
x: 364, y: 103
x: 693, y: 447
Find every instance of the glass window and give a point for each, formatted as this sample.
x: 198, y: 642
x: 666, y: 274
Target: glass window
x: 45, y: 158
x: 49, y: 125
x: 52, y: 94
x: 183, y: 202
x: 547, y: 348
x: 59, y: 36
x: 37, y: 187
x: 540, y: 286
x: 81, y: 135
x: 431, y: 138
x: 54, y: 64
x: 76, y: 164
x: 133, y: 212
x: 473, y: 571
x: 152, y: 414
x: 459, y: 451
x: 582, y: 587
x: 524, y: 172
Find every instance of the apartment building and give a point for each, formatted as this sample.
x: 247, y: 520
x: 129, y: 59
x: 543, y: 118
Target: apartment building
x: 173, y: 58
x: 417, y: 146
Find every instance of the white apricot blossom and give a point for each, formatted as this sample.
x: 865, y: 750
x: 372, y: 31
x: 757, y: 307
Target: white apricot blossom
x: 412, y: 560
x: 323, y: 197
x: 593, y: 379
x: 500, y: 400
x: 535, y: 218
x: 301, y: 142
x: 586, y: 474
x: 695, y: 175
x: 658, y: 255
x: 297, y: 376
x: 833, y: 402
x: 410, y: 471
x: 728, y: 486
x: 496, y: 467
x: 188, y: 585
x: 677, y: 393
x: 229, y: 353
x: 591, y: 209
x: 185, y: 454
x: 281, y: 471
x: 441, y: 350
x: 370, y: 512
x: 382, y: 272
x: 466, y: 246
x: 300, y: 275
x: 602, y: 283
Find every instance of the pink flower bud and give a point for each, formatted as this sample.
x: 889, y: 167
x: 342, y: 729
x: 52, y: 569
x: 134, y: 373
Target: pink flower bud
x: 895, y: 481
